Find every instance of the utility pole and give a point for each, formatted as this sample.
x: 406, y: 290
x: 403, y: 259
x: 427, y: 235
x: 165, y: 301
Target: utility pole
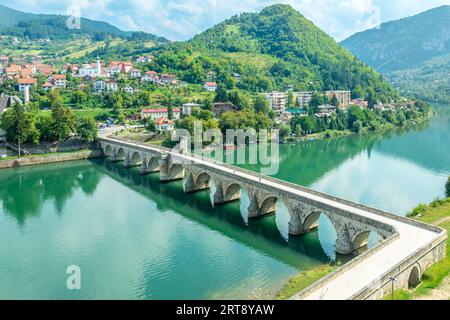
x: 393, y: 279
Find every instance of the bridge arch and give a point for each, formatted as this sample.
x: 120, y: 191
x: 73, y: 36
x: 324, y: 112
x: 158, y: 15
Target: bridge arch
x: 203, y: 179
x: 311, y: 221
x: 415, y: 276
x: 175, y: 170
x: 232, y: 191
x: 153, y: 164
x: 268, y: 204
x: 121, y: 154
x: 108, y: 151
x: 136, y: 159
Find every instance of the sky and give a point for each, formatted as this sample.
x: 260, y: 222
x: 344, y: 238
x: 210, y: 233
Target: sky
x: 182, y: 19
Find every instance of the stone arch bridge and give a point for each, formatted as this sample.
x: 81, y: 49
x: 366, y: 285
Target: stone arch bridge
x: 353, y: 222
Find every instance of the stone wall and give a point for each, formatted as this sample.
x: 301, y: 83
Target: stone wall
x: 50, y: 158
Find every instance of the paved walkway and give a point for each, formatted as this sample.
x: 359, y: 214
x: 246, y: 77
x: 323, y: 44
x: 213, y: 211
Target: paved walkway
x: 411, y: 237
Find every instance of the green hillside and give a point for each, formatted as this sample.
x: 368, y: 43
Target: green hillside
x: 404, y: 43
x: 43, y: 26
x: 413, y: 53
x: 277, y: 48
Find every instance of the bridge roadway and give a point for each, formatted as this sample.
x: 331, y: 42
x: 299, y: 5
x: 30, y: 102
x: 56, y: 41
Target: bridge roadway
x: 404, y: 255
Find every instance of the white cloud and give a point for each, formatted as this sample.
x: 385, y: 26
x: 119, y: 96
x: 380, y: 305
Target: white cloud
x: 181, y: 19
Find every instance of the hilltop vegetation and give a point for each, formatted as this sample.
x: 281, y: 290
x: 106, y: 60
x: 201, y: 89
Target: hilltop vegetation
x: 277, y: 48
x: 413, y: 53
x: 46, y: 26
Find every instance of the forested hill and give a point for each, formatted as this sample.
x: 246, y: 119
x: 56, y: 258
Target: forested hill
x: 43, y: 26
x: 277, y: 48
x: 413, y: 53
x: 404, y: 43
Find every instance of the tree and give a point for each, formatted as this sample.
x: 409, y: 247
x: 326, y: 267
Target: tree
x: 221, y: 95
x: 316, y: 100
x: 285, y: 131
x: 334, y: 101
x: 150, y: 125
x: 170, y: 112
x: 357, y: 126
x: 87, y: 129
x: 63, y: 122
x: 79, y: 97
x: 261, y: 104
x: 447, y: 188
x: 19, y: 125
x: 290, y: 99
x: 208, y: 104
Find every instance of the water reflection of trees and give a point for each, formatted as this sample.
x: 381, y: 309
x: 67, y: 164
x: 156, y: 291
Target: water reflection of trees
x: 23, y: 191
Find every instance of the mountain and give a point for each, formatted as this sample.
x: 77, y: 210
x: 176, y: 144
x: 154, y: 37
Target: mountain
x: 277, y: 48
x: 413, y: 53
x: 42, y: 26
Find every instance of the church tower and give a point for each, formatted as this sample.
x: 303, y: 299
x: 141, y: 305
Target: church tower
x: 98, y: 67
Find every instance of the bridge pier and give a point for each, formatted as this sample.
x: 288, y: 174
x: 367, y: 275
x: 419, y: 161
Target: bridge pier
x: 351, y: 235
x: 226, y: 192
x: 261, y: 203
x: 170, y: 171
x: 304, y: 217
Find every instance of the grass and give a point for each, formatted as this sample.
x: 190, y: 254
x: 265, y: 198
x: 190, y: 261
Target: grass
x: 436, y: 213
x: 304, y: 280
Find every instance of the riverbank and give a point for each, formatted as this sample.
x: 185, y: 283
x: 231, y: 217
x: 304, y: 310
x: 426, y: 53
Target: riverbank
x: 345, y: 133
x: 29, y: 160
x: 435, y: 280
x: 304, y: 280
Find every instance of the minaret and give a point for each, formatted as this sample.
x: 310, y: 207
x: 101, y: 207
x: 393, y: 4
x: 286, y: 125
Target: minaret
x: 98, y: 66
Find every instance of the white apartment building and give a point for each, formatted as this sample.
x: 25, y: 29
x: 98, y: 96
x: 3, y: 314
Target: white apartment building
x: 303, y: 97
x: 277, y: 100
x: 343, y: 97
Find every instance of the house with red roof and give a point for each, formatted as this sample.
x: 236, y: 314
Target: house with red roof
x: 26, y: 82
x: 210, y: 86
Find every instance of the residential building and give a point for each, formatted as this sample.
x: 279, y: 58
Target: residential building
x: 59, y: 80
x: 277, y: 100
x: 4, y: 60
x: 325, y: 110
x: 343, y: 97
x: 150, y: 76
x: 360, y: 102
x: 379, y: 107
x: 99, y: 85
x: 128, y: 89
x: 210, y: 86
x: 127, y: 67
x: 159, y: 113
x: 302, y: 98
x: 26, y: 83
x: 187, y: 108
x: 135, y: 73
x: 164, y: 124
x: 48, y: 86
x: 221, y: 107
x: 111, y: 86
x: 168, y: 78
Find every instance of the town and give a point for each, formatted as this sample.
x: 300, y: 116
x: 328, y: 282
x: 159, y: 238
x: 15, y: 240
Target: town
x: 299, y: 113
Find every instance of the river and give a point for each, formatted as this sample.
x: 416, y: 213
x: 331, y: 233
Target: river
x: 134, y: 238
